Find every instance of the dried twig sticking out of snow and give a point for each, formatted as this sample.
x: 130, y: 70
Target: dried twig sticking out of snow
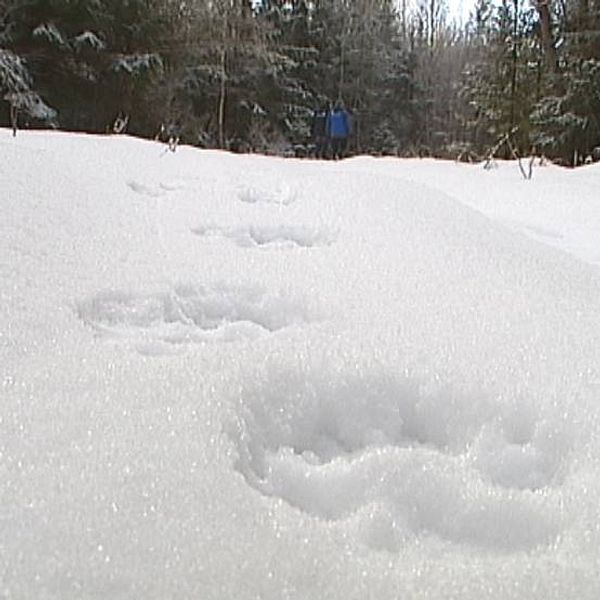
x: 506, y: 139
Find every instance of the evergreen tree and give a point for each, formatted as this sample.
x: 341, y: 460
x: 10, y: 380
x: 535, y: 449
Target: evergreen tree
x: 567, y: 119
x: 289, y: 86
x: 88, y: 58
x: 506, y: 82
x: 223, y: 74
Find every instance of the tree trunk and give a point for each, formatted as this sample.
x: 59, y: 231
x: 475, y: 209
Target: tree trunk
x: 14, y: 118
x: 222, y: 93
x: 432, y: 32
x: 515, y: 62
x: 543, y: 9
x: 223, y: 81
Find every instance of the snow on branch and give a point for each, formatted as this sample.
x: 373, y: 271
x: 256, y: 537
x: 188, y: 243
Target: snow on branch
x: 89, y: 38
x: 14, y: 76
x: 50, y: 33
x: 15, y: 82
x: 137, y: 64
x: 31, y: 103
x: 254, y: 108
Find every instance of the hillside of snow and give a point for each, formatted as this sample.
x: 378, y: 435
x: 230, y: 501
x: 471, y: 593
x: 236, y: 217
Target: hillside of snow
x: 228, y: 376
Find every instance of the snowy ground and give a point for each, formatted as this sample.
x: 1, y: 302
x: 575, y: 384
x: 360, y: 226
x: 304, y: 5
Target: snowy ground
x: 245, y: 377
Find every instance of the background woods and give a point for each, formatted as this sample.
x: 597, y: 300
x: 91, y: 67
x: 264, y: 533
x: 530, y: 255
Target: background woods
x: 247, y: 75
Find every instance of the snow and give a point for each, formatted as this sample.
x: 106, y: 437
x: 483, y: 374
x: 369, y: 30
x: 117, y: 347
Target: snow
x: 229, y: 376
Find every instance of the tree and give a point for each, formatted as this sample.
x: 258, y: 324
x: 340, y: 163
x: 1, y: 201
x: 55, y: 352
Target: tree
x: 89, y: 59
x: 566, y: 119
x: 505, y: 82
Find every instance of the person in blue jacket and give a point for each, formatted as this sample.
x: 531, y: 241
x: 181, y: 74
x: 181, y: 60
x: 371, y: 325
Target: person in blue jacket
x: 338, y: 130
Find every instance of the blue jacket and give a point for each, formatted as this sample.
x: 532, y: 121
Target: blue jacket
x: 338, y: 124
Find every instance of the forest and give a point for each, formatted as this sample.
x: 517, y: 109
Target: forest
x: 518, y: 78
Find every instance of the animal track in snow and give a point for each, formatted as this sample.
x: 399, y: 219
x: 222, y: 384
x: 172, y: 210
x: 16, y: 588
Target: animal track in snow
x: 172, y: 186
x: 186, y: 314
x: 401, y: 458
x: 281, y: 194
x: 262, y: 235
x: 544, y: 233
x: 155, y: 190
x: 146, y: 190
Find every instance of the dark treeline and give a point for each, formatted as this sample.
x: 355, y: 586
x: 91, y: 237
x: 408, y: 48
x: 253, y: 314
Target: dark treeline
x: 247, y: 75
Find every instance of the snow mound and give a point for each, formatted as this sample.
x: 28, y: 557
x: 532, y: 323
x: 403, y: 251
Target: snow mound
x: 191, y: 313
x: 263, y: 235
x: 436, y: 435
x: 403, y: 458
